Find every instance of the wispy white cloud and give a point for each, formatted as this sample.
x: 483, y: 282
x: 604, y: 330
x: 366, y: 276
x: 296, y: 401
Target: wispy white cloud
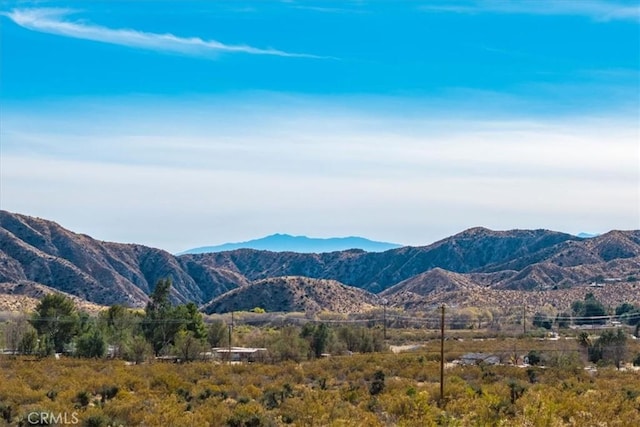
x: 55, y: 21
x: 600, y: 10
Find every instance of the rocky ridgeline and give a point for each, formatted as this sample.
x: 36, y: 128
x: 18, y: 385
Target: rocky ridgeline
x: 469, y: 266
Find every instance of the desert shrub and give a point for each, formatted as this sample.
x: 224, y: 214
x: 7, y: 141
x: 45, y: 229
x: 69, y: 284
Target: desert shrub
x: 250, y: 415
x: 328, y: 391
x: 82, y: 399
x: 6, y: 411
x: 516, y: 389
x: 534, y: 357
x: 377, y: 384
x: 272, y: 398
x: 108, y: 392
x: 96, y: 421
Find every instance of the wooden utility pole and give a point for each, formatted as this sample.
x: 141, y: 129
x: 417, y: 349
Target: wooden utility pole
x: 524, y: 316
x: 442, y: 355
x: 230, y: 337
x: 384, y: 319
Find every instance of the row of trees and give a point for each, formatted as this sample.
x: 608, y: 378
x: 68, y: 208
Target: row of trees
x: 589, y: 311
x: 57, y: 327
x: 609, y: 347
x: 163, y: 329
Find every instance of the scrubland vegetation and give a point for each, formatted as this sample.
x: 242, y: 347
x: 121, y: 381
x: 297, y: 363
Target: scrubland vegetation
x: 325, y: 370
x: 375, y: 389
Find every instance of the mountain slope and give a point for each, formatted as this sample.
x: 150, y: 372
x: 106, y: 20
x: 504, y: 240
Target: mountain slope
x: 39, y: 251
x: 472, y: 250
x: 300, y: 244
x: 23, y: 297
x: 293, y: 293
x: 410, y: 293
x: 33, y: 249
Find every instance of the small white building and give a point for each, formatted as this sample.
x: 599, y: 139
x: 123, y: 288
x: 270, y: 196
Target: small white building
x: 239, y: 354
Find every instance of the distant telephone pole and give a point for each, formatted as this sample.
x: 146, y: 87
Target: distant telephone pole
x: 442, y: 355
x: 524, y: 316
x: 230, y: 338
x: 384, y: 318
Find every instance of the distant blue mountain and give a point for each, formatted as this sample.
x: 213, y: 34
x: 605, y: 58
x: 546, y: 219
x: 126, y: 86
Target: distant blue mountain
x: 301, y: 244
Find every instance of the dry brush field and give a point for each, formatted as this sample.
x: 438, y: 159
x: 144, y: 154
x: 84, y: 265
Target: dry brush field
x: 376, y: 389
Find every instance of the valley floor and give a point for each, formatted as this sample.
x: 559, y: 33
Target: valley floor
x: 374, y: 389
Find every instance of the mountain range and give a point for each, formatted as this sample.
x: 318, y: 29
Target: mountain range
x: 301, y: 244
x: 477, y: 266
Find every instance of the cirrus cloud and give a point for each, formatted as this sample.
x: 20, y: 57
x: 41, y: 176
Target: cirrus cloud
x: 55, y: 21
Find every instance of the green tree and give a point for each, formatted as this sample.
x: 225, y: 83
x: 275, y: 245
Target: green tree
x: 350, y: 338
x: 160, y: 323
x: 563, y: 319
x: 118, y: 324
x: 289, y: 345
x: 193, y: 321
x: 318, y: 337
x: 91, y: 345
x: 45, y: 346
x: 217, y: 333
x: 29, y: 342
x: 56, y: 319
x: 629, y: 314
x: 137, y: 350
x: 624, y: 308
x: 187, y: 346
x: 590, y: 311
x: 631, y: 318
x: 610, y: 346
x: 577, y: 307
x: 541, y: 320
x: 15, y: 332
x: 613, y: 346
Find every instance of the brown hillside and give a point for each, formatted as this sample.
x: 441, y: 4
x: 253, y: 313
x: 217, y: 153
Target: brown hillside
x: 611, y: 295
x: 600, y: 249
x: 452, y: 269
x: 23, y: 297
x: 293, y: 293
x: 33, y: 249
x: 471, y: 250
x: 411, y: 293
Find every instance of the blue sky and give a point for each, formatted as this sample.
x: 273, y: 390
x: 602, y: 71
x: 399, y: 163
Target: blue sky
x: 180, y: 124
